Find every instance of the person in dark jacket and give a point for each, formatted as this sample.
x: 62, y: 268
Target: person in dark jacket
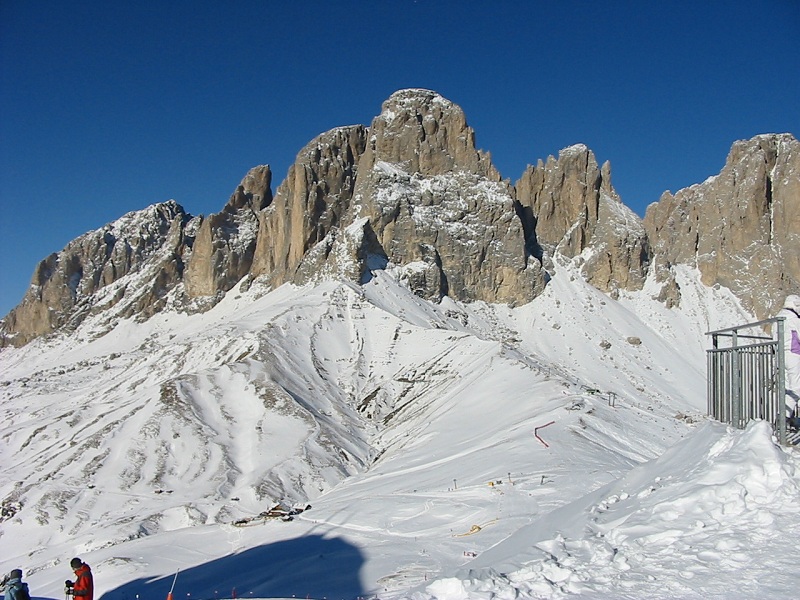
x: 83, y: 586
x: 14, y: 586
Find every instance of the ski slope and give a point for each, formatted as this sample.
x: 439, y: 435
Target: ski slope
x: 450, y: 451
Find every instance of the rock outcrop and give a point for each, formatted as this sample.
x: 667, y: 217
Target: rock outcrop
x: 438, y: 207
x: 414, y: 194
x: 571, y: 206
x: 130, y: 265
x: 225, y: 244
x: 309, y: 204
x: 741, y: 229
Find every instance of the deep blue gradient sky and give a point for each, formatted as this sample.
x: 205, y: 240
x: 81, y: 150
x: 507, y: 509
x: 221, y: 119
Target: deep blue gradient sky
x: 108, y: 107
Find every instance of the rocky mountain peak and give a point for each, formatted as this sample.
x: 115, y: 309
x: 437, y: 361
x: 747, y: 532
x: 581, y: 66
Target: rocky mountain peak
x: 741, y: 228
x: 413, y: 192
x: 571, y: 205
x: 437, y: 206
x: 425, y: 133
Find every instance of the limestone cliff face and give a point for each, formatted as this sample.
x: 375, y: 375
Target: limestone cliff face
x: 225, y: 244
x: 572, y: 209
x: 129, y: 265
x: 423, y: 132
x: 309, y: 204
x: 413, y: 194
x: 412, y: 191
x: 437, y: 206
x: 741, y: 229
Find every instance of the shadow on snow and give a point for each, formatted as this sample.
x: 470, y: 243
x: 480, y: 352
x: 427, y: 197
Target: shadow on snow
x: 310, y: 566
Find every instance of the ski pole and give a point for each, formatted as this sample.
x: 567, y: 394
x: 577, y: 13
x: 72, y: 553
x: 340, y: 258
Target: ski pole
x: 172, y: 588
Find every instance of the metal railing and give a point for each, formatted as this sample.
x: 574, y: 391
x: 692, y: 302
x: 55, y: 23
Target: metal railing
x: 746, y: 378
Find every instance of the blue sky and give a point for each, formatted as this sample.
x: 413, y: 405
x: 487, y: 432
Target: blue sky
x: 108, y: 107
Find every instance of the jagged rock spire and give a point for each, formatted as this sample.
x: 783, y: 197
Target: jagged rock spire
x: 224, y: 247
x: 571, y: 206
x: 309, y: 204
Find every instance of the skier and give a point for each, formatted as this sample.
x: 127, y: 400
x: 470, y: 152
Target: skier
x: 791, y: 346
x: 83, y: 586
x: 15, y: 588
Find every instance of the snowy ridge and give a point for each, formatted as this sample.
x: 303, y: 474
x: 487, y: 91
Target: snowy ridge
x: 625, y: 221
x: 447, y: 450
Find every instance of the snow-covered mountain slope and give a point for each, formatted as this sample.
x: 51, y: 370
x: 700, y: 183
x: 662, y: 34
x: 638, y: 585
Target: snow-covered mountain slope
x: 441, y: 447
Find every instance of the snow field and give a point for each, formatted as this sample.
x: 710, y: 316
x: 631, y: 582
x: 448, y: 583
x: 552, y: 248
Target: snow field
x: 410, y: 429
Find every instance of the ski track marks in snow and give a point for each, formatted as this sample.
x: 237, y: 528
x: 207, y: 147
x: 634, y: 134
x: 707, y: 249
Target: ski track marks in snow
x: 684, y: 525
x: 410, y: 428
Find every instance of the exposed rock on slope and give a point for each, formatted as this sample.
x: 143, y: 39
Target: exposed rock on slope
x: 309, y: 204
x: 130, y: 265
x: 574, y: 210
x: 437, y: 205
x: 225, y: 244
x: 741, y: 228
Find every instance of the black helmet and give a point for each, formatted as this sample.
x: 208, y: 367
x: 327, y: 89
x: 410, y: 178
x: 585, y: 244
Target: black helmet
x: 75, y: 563
x: 15, y: 574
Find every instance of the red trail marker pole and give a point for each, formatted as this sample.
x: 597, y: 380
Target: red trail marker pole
x: 536, y: 433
